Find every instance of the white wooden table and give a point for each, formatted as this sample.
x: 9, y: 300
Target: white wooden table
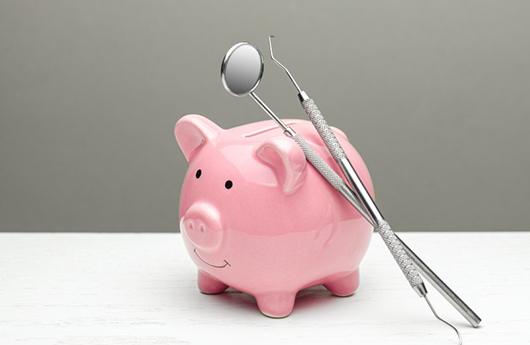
x: 140, y: 289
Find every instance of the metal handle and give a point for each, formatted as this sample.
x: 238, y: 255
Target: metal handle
x: 401, y: 257
x: 442, y: 288
x: 391, y: 238
x: 323, y: 129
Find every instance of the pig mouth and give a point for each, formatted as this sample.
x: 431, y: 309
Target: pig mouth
x: 209, y: 264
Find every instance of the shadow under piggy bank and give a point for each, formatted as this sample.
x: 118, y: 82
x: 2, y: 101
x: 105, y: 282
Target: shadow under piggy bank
x: 310, y: 298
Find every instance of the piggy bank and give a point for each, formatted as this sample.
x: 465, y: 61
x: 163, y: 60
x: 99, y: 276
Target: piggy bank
x: 257, y: 217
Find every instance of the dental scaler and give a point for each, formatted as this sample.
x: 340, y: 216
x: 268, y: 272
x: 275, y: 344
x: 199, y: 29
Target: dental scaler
x: 404, y: 256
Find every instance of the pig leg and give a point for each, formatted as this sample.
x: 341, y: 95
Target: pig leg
x: 209, y: 285
x: 276, y: 304
x: 345, y: 285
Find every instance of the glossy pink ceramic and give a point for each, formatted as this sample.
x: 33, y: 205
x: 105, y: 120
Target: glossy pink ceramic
x: 257, y: 217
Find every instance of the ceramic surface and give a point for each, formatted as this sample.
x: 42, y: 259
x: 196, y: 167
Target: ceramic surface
x: 257, y: 217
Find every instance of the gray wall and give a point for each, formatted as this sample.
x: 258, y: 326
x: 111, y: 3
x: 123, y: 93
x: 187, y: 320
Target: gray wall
x: 90, y: 91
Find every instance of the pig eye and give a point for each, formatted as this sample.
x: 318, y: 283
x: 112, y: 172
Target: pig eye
x: 228, y: 184
x: 198, y: 173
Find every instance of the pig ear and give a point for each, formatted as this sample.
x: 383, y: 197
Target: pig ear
x: 286, y: 159
x: 193, y: 131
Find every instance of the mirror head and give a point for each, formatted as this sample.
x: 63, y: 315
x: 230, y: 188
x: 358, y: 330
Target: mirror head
x: 242, y: 69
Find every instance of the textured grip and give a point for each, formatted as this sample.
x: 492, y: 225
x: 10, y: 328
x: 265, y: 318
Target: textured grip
x: 323, y: 168
x: 401, y: 257
x: 329, y: 174
x: 323, y: 129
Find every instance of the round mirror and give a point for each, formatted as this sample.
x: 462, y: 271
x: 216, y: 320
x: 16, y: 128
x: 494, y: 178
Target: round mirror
x: 241, y: 69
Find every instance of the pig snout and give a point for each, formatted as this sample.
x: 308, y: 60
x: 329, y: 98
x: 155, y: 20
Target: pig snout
x: 202, y: 225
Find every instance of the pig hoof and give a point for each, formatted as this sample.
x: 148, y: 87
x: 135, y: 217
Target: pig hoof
x: 344, y: 286
x: 276, y: 304
x: 209, y: 285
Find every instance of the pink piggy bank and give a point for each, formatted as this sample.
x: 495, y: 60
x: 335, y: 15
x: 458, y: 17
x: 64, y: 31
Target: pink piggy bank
x: 255, y: 216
